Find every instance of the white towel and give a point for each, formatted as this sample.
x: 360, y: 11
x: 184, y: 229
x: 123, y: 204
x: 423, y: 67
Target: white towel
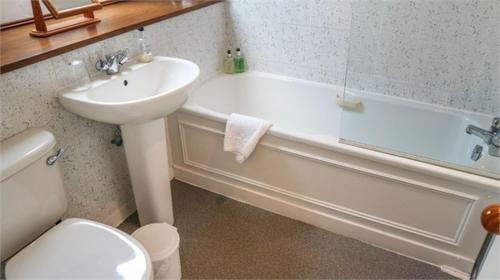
x: 242, y: 135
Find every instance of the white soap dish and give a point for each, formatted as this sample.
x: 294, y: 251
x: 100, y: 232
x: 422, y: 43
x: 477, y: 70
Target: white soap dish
x: 349, y: 104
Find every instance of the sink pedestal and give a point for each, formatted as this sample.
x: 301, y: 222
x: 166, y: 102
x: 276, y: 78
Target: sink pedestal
x: 147, y: 159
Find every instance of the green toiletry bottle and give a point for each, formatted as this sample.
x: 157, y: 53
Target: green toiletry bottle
x: 229, y: 63
x: 239, y: 62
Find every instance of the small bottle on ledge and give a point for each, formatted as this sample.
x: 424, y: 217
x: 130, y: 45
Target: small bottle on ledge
x: 239, y: 62
x: 228, y: 63
x: 145, y: 55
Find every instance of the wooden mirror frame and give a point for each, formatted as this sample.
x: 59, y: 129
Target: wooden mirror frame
x: 24, y: 21
x: 44, y: 30
x: 93, y: 5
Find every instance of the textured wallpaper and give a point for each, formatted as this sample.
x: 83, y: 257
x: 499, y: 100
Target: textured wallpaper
x: 95, y: 171
x: 442, y: 52
x: 303, y: 39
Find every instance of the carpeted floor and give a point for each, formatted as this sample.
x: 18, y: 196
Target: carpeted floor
x: 223, y: 238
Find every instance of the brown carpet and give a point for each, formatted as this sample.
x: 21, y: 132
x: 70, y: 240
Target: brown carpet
x: 223, y: 238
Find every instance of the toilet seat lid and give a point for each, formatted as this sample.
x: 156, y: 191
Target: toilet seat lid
x: 78, y: 248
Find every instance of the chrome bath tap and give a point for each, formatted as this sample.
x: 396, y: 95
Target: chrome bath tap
x: 490, y: 137
x: 111, y: 65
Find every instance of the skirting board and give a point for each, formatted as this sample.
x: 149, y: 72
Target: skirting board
x: 328, y: 221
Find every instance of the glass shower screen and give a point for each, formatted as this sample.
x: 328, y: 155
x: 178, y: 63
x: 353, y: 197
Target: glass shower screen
x: 422, y: 81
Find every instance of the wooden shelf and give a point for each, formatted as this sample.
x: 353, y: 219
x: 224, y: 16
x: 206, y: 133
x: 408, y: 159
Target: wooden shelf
x: 19, y: 49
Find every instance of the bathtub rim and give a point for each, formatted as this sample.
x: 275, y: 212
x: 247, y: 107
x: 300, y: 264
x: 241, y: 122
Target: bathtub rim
x: 349, y: 92
x: 487, y: 183
x: 365, y: 152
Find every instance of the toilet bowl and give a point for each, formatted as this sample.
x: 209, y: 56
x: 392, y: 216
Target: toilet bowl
x: 33, y: 241
x: 78, y: 248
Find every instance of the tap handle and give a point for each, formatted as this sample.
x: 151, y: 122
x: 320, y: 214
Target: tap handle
x: 123, y: 60
x: 495, y: 124
x: 101, y: 65
x: 122, y: 56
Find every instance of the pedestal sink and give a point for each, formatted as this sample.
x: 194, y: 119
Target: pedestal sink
x: 138, y: 99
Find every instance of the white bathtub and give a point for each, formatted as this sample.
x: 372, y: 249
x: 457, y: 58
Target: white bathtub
x: 300, y: 169
x: 419, y: 131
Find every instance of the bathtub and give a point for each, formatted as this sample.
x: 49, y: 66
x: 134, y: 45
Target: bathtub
x: 302, y: 168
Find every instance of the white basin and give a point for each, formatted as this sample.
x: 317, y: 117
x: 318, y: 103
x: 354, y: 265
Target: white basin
x: 138, y: 99
x: 141, y: 92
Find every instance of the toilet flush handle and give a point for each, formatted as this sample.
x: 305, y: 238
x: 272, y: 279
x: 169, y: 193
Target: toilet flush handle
x: 53, y: 158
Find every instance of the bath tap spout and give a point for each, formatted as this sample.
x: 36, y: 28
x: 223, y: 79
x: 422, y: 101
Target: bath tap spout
x: 490, y: 137
x: 484, y: 134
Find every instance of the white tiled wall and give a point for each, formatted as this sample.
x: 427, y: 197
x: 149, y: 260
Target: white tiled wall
x: 95, y: 171
x: 443, y: 52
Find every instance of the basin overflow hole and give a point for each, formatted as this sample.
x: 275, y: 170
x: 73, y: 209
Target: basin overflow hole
x: 125, y: 83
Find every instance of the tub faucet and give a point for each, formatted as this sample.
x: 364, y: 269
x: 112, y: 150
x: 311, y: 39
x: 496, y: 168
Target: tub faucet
x: 490, y: 137
x: 111, y: 65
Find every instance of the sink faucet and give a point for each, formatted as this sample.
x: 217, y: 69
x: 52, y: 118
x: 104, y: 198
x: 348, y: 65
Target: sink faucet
x: 111, y: 65
x: 490, y: 137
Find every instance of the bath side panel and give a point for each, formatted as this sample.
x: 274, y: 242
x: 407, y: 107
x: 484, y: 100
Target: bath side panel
x: 413, y: 214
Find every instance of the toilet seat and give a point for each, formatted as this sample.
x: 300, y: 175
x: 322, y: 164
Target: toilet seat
x: 79, y: 248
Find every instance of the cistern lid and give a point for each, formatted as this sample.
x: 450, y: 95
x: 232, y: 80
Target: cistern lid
x: 83, y: 249
x: 23, y: 149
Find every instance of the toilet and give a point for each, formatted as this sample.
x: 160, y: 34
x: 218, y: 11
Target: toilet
x: 34, y: 240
